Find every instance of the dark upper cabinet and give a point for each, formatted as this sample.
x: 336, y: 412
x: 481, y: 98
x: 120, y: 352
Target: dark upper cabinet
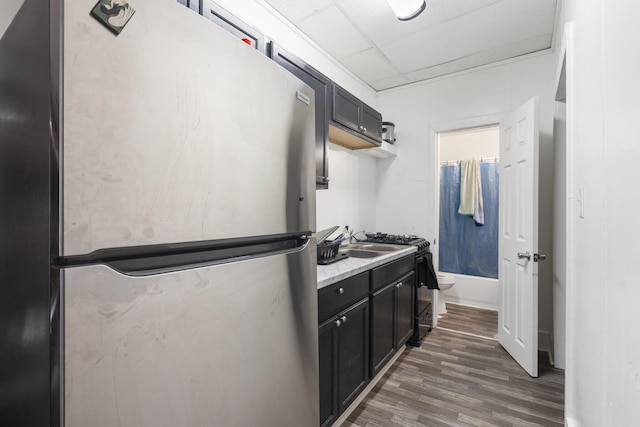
x: 195, y: 5
x: 353, y: 124
x: 347, y: 109
x: 371, y: 123
x: 242, y: 30
x: 321, y: 84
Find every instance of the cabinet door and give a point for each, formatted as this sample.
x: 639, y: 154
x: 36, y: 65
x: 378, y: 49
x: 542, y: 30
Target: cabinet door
x: 195, y: 5
x: 405, y: 288
x: 353, y: 352
x: 321, y: 85
x: 383, y: 327
x: 371, y: 123
x: 328, y: 372
x: 235, y: 26
x: 347, y: 109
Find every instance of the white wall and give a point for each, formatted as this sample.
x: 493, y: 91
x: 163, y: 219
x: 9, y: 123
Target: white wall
x: 476, y: 143
x: 350, y: 199
x: 407, y: 184
x: 603, y: 342
x: 559, y: 235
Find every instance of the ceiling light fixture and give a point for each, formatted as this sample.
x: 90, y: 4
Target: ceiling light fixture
x: 407, y: 9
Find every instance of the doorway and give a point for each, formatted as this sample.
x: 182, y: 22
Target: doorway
x: 468, y: 249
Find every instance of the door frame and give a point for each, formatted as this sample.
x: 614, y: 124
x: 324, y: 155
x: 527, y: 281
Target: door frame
x: 434, y: 130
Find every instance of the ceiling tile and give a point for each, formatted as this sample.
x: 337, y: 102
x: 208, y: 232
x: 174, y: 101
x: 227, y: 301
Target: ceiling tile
x: 474, y: 32
x: 397, y: 80
x: 295, y: 10
x: 489, y: 56
x: 369, y: 65
x: 449, y: 36
x: 331, y: 30
x: 376, y: 19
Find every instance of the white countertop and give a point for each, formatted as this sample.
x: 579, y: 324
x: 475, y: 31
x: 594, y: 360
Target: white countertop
x: 332, y: 273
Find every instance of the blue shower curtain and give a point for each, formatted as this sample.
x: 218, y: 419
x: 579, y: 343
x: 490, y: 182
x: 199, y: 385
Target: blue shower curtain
x: 467, y: 248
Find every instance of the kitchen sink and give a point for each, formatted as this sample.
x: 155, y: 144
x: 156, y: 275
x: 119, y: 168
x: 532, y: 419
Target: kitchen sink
x: 375, y: 247
x: 359, y: 253
x: 369, y: 250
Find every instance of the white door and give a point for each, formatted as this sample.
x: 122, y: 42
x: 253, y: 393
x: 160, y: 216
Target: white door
x: 518, y: 272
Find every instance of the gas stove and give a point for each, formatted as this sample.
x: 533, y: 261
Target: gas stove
x: 399, y: 239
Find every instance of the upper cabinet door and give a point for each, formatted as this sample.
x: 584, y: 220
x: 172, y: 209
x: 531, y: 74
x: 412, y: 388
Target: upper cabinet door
x: 353, y: 123
x: 371, y: 123
x: 235, y: 26
x: 347, y: 109
x: 195, y: 5
x: 321, y: 85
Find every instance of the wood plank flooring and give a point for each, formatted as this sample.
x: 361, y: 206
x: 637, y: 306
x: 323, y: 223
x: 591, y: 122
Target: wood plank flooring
x: 477, y: 321
x: 460, y: 380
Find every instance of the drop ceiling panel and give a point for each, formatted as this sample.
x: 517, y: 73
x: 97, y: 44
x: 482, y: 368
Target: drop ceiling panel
x: 370, y: 65
x: 331, y: 30
x: 295, y: 10
x: 449, y: 36
x: 474, y: 32
x: 478, y: 59
x: 380, y: 24
x: 394, y: 81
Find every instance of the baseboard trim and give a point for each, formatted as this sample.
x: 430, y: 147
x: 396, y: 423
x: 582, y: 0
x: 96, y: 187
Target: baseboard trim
x: 571, y: 422
x: 468, y: 303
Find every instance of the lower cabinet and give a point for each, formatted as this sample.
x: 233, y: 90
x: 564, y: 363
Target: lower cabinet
x: 364, y: 319
x: 391, y: 320
x: 405, y: 310
x: 383, y: 328
x: 344, y: 360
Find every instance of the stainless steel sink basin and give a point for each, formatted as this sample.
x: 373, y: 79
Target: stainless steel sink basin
x: 369, y: 250
x: 359, y: 253
x: 375, y: 247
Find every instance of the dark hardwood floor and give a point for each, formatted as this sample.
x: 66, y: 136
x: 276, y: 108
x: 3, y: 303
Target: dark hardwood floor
x: 455, y: 379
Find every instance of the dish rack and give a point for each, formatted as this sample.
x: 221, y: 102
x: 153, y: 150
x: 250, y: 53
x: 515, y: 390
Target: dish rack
x: 328, y: 252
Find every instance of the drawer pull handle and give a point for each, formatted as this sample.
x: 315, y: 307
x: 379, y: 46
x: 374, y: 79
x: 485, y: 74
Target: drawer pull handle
x: 399, y: 285
x: 344, y: 319
x: 341, y: 291
x: 338, y: 323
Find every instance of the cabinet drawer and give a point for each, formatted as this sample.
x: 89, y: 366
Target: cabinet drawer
x: 336, y: 297
x: 385, y: 274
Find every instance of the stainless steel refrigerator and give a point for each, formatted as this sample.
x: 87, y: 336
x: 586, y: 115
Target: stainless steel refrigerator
x: 158, y: 198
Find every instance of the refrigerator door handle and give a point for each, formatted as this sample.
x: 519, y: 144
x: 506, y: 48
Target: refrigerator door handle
x: 159, y: 259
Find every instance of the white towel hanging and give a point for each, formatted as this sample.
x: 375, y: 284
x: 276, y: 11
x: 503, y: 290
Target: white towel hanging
x: 471, y: 191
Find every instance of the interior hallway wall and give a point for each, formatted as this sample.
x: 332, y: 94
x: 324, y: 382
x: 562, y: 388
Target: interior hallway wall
x: 407, y: 184
x: 603, y: 344
x: 350, y: 199
x: 559, y: 236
